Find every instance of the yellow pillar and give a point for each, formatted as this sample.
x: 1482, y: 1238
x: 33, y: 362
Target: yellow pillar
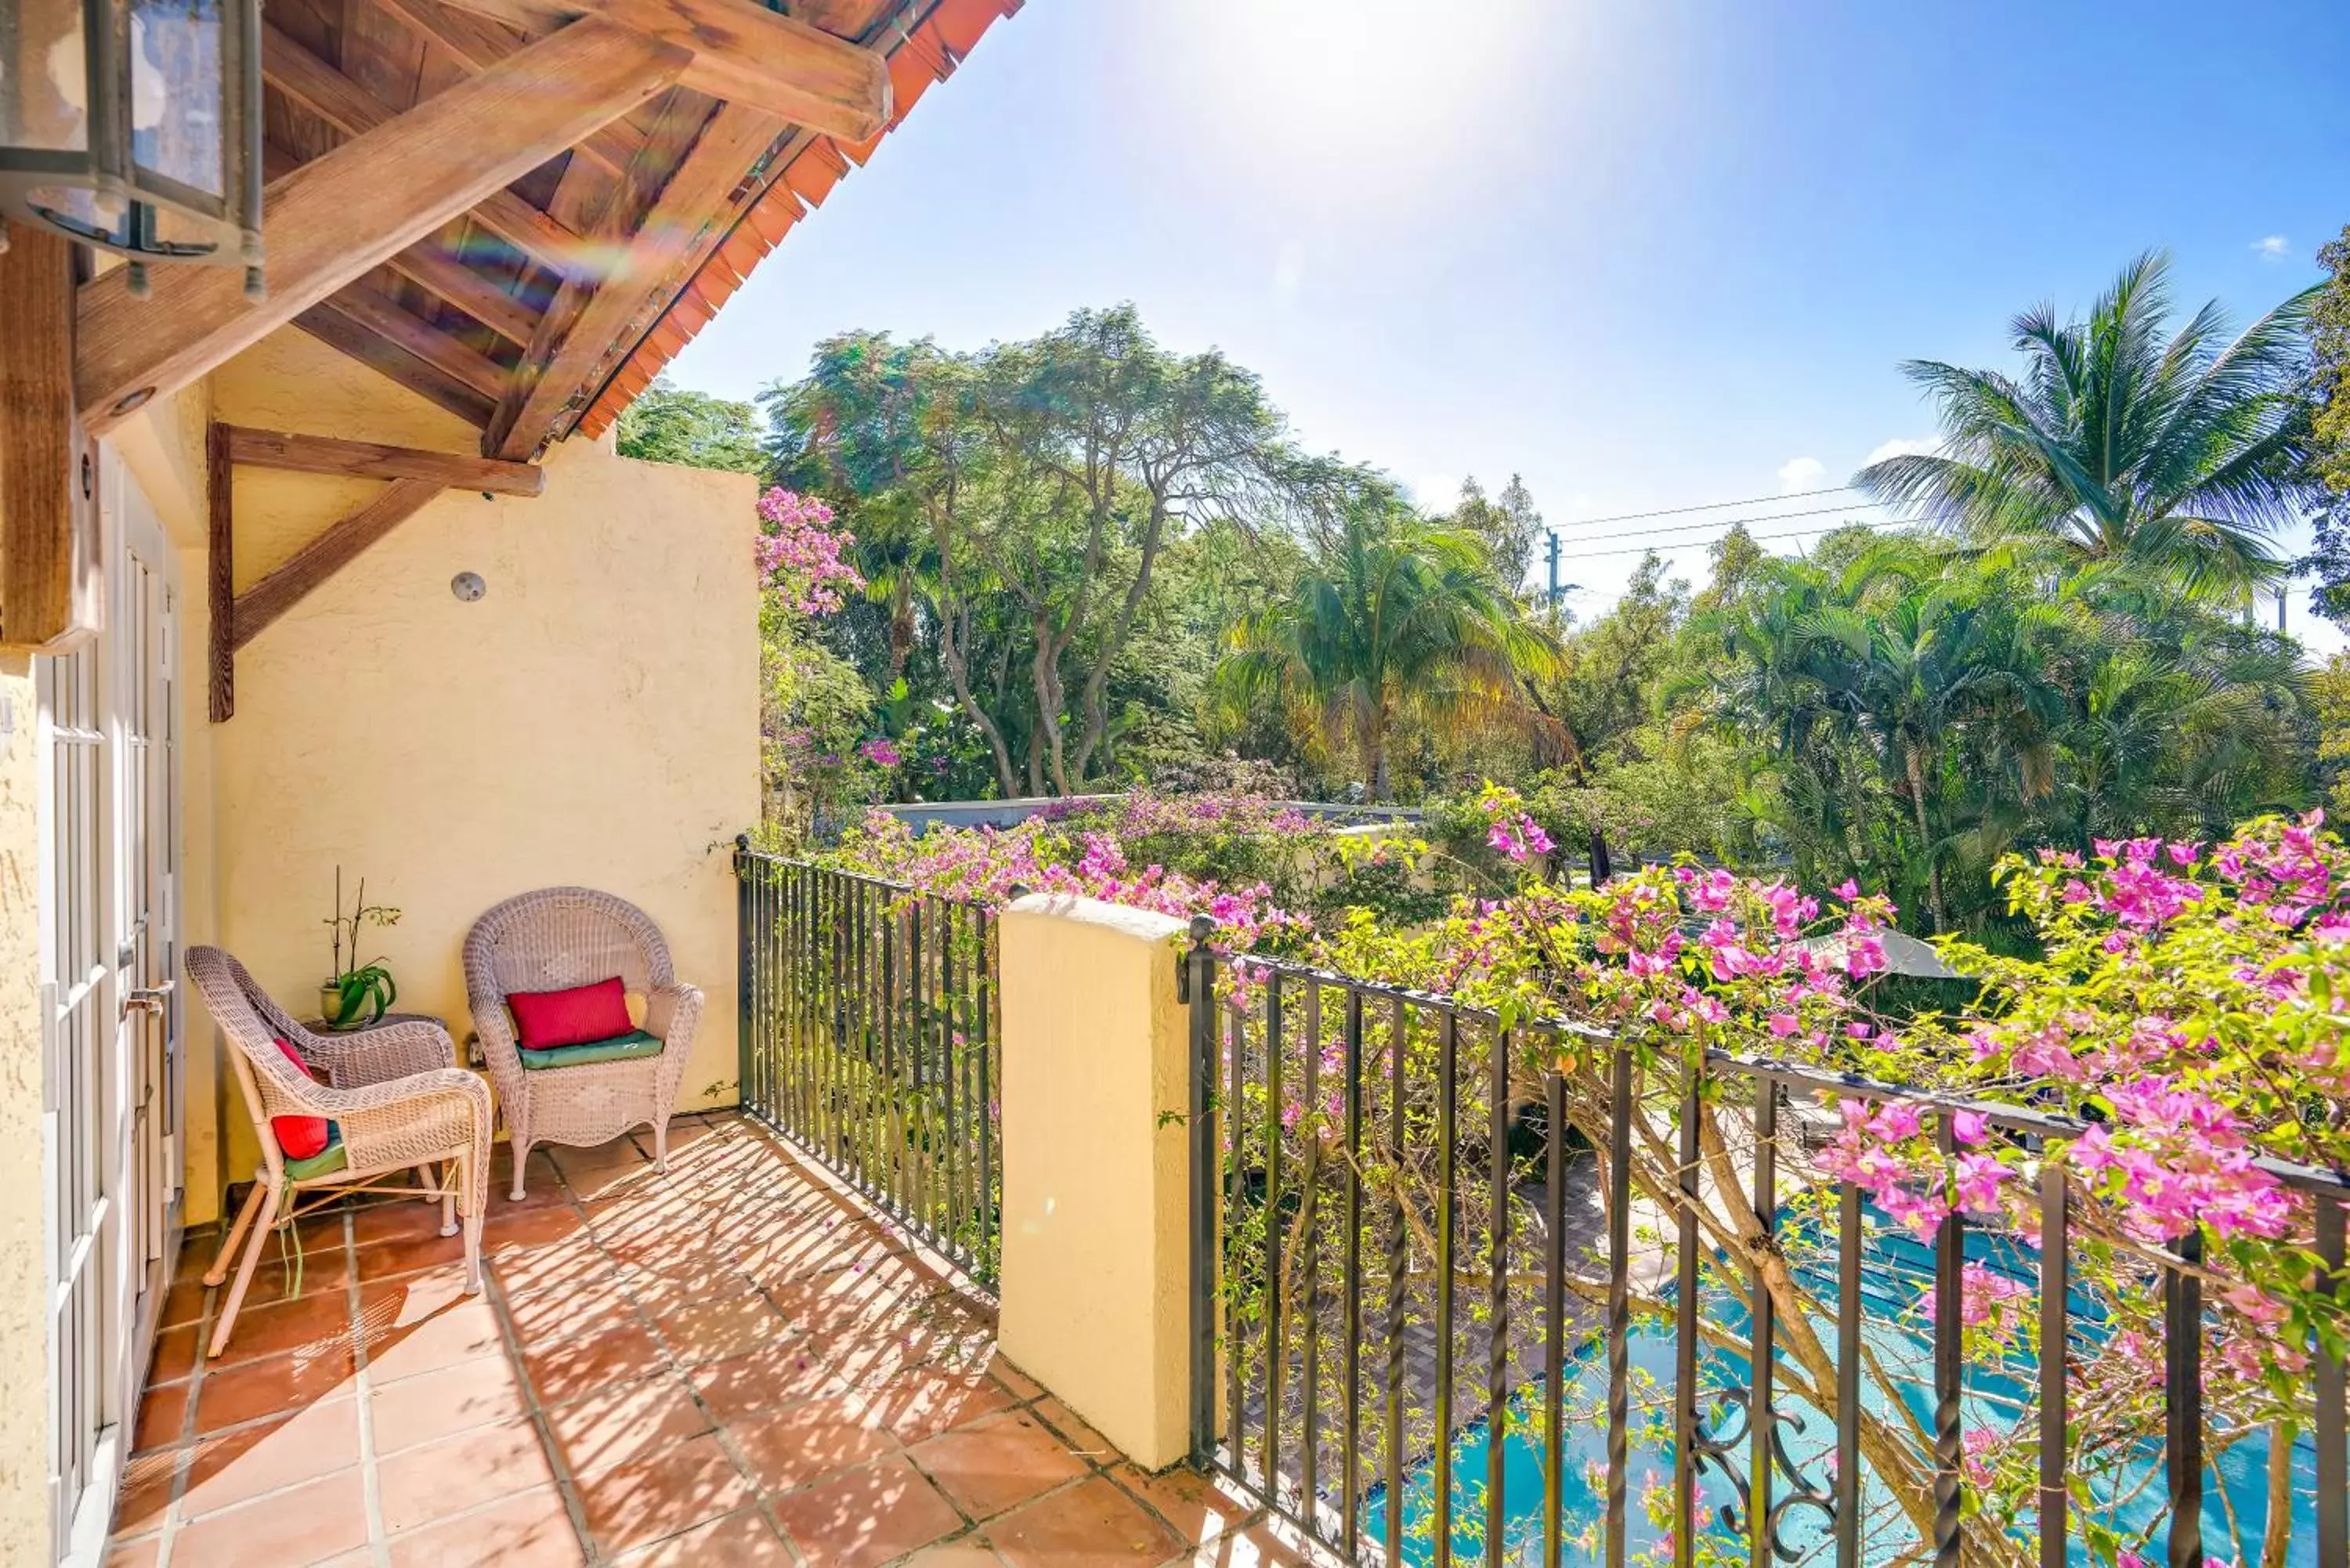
x: 1097, y: 1229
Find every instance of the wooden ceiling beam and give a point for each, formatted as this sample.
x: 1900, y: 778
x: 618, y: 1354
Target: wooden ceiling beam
x: 742, y: 54
x: 432, y: 265
x: 376, y: 311
x: 572, y: 344
x: 296, y: 453
x: 477, y: 43
x: 351, y: 109
x: 326, y: 322
x: 431, y: 268
x: 340, y: 215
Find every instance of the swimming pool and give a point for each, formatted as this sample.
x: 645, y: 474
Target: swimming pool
x: 1895, y: 1270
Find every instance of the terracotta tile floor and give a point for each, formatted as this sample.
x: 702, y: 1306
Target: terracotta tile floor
x: 731, y: 1363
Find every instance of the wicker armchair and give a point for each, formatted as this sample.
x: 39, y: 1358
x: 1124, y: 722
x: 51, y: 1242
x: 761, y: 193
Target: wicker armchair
x: 551, y: 939
x: 400, y: 1103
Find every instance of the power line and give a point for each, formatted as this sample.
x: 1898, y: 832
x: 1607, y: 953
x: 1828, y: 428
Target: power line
x: 1708, y: 506
x: 1696, y: 544
x: 1731, y: 522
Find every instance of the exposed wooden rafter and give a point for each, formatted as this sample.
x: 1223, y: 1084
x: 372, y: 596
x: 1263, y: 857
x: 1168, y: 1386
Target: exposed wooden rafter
x: 581, y: 325
x: 330, y: 325
x: 415, y: 474
x: 351, y: 109
x: 351, y: 210
x: 742, y: 54
x: 477, y: 43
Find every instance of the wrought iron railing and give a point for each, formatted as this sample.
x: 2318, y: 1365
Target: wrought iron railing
x: 1448, y: 1306
x: 869, y: 1038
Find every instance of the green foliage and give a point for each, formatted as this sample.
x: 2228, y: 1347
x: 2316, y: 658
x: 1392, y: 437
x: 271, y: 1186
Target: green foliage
x: 2181, y: 454
x: 1391, y: 615
x: 668, y: 423
x: 2329, y: 335
x: 1915, y: 715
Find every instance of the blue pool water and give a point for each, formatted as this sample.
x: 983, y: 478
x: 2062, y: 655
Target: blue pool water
x: 1896, y: 1269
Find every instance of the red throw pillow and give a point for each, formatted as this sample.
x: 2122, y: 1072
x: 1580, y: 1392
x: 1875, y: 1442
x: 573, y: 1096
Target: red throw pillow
x: 547, y: 1019
x: 299, y: 1137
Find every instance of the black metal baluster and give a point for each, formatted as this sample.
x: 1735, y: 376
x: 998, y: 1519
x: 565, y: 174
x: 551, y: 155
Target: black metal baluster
x: 1276, y: 1365
x: 1762, y: 1311
x: 1309, y: 1223
x: 1448, y: 1132
x: 1233, y: 1024
x: 1949, y: 1369
x: 890, y: 1127
x: 1685, y: 1514
x: 1847, y: 1399
x: 991, y: 1208
x: 2182, y: 1401
x: 1351, y: 1286
x: 1399, y: 1251
x: 2333, y: 1465
x: 746, y: 973
x: 1200, y: 995
x: 949, y: 1057
x: 923, y: 1143
x: 2056, y: 1285
x: 1497, y: 1305
x: 1553, y: 1328
x: 1619, y: 1292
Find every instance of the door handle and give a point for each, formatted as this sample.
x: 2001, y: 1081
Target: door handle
x: 147, y: 999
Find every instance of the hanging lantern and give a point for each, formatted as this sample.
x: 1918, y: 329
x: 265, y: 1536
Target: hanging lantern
x: 135, y: 126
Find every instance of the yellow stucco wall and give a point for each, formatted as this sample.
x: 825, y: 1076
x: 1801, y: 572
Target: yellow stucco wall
x: 1097, y: 1192
x: 593, y: 719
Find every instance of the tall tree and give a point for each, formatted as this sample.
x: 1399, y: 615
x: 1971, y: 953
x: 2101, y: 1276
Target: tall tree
x: 1507, y: 524
x: 1393, y: 615
x: 2328, y: 561
x: 668, y: 423
x: 2181, y: 451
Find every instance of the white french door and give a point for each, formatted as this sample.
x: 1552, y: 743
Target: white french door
x: 109, y: 736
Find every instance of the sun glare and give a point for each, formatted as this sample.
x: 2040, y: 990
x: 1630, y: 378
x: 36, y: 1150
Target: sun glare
x: 1356, y: 92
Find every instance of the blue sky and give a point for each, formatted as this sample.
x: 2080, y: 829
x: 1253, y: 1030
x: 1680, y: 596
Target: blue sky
x: 1646, y: 254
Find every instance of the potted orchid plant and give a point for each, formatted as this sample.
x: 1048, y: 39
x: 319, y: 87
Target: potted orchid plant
x: 359, y: 995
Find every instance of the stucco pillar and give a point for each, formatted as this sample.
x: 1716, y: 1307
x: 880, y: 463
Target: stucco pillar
x: 1096, y: 1236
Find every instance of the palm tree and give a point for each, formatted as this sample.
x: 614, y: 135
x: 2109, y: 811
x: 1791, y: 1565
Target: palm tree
x: 1394, y: 616
x: 2182, y: 453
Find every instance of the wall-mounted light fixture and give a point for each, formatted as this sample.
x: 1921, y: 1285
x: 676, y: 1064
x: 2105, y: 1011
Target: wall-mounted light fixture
x: 135, y: 126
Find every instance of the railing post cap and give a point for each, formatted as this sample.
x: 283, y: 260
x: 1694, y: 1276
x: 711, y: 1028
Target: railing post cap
x: 1203, y: 928
x: 742, y: 842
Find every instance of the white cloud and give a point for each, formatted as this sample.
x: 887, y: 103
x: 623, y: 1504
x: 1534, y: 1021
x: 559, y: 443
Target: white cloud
x: 1900, y: 446
x: 2273, y: 248
x: 1801, y: 473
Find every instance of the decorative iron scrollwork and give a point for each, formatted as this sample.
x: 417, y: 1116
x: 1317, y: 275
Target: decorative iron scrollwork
x: 1724, y: 1451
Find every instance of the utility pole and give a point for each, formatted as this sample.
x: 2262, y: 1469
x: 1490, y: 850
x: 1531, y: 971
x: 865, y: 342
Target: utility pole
x: 1556, y: 591
x: 2280, y: 612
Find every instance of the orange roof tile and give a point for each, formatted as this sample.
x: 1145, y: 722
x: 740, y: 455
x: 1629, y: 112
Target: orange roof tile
x: 920, y: 52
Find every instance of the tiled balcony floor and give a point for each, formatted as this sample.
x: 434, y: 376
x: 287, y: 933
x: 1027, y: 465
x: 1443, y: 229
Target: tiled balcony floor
x: 727, y: 1363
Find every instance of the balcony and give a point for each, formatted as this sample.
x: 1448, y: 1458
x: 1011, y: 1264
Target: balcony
x: 733, y: 1362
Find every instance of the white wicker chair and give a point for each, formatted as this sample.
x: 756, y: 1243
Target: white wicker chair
x: 551, y: 939
x: 396, y: 1095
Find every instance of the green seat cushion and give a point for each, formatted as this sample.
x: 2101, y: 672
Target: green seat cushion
x: 325, y: 1162
x: 627, y: 1047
